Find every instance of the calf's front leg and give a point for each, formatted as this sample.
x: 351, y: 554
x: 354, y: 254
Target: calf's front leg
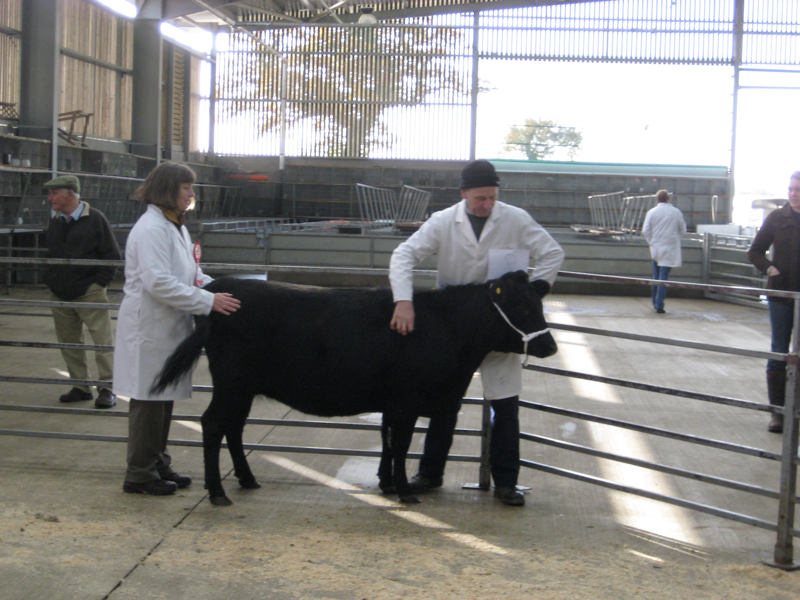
x: 385, y: 482
x: 399, y: 430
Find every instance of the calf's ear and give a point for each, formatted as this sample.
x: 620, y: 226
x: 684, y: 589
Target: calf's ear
x: 541, y: 287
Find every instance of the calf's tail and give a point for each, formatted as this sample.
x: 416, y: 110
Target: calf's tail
x: 184, y: 358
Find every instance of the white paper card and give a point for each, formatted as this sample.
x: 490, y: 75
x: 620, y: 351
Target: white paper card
x: 506, y: 261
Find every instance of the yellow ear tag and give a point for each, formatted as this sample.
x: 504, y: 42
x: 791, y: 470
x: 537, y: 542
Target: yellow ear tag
x: 497, y: 290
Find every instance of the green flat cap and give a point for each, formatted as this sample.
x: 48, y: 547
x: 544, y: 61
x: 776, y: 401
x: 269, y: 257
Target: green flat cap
x: 64, y: 182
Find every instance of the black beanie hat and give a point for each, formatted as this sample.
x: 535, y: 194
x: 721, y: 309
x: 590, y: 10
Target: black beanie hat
x: 479, y: 173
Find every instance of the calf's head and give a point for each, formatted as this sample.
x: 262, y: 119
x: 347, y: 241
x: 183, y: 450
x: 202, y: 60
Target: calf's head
x: 519, y: 303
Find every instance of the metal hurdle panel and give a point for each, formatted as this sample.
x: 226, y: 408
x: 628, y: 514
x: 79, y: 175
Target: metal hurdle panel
x: 377, y: 206
x: 413, y: 204
x: 606, y: 210
x: 634, y: 209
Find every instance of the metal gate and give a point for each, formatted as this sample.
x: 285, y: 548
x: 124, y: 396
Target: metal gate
x: 784, y: 493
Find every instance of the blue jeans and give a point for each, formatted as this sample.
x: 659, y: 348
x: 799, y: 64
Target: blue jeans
x: 659, y: 292
x: 781, y: 318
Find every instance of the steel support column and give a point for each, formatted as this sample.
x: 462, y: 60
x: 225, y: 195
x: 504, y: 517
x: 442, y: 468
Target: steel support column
x: 473, y: 125
x: 40, y: 62
x: 738, y: 45
x: 147, y: 71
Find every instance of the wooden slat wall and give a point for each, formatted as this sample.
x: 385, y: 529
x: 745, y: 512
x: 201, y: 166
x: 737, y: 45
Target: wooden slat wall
x: 178, y: 72
x: 101, y: 35
x: 194, y: 104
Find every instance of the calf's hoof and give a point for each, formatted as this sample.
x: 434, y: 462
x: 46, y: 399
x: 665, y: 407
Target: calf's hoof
x: 386, y: 487
x: 409, y: 499
x: 249, y: 483
x: 220, y: 500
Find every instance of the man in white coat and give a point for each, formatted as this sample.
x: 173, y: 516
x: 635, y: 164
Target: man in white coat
x: 663, y: 227
x: 462, y: 237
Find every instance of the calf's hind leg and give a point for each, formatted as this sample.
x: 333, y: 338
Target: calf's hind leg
x: 233, y: 435
x: 214, y: 427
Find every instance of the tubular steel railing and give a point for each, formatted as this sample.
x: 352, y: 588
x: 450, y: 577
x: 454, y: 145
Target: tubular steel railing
x: 786, y: 494
x: 725, y: 263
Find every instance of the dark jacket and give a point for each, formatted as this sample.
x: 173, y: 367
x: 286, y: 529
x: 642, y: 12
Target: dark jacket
x: 90, y: 237
x: 781, y: 229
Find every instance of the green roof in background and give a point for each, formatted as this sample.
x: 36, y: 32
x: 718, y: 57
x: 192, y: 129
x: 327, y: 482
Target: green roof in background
x: 594, y: 168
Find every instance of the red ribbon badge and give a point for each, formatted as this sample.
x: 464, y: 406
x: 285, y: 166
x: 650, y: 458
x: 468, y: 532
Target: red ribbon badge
x: 198, y: 254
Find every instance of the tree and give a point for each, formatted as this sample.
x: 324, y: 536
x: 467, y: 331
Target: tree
x: 539, y: 139
x: 340, y: 80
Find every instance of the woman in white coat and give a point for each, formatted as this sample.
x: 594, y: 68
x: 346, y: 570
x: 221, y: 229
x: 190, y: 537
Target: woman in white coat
x: 163, y: 289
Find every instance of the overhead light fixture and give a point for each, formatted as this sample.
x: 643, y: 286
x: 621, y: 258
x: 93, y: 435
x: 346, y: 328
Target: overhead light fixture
x: 122, y: 7
x: 195, y: 39
x: 367, y: 18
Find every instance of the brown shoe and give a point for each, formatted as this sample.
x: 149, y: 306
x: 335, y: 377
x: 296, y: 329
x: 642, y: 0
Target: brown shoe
x: 105, y: 399
x: 76, y: 395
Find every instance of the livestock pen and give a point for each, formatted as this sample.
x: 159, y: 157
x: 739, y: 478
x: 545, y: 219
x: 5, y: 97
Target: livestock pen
x: 623, y: 418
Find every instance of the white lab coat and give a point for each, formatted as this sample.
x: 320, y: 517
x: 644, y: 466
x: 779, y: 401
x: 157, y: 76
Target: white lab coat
x: 160, y: 299
x: 663, y: 227
x: 462, y: 259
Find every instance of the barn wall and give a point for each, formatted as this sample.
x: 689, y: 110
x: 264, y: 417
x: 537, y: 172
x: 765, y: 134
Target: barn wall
x: 554, y: 193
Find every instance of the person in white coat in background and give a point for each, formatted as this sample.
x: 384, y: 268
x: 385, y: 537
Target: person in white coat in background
x: 463, y: 237
x: 663, y: 227
x: 163, y: 289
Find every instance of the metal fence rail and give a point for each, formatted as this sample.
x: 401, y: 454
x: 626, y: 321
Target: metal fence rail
x: 785, y: 494
x: 725, y: 263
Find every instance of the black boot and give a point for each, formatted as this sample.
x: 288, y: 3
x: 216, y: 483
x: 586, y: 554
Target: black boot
x: 776, y: 391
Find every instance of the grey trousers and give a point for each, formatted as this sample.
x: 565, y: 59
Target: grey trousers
x: 148, y: 432
x: 69, y: 324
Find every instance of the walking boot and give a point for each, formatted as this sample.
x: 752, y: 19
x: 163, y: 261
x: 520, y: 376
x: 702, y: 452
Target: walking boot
x: 776, y: 392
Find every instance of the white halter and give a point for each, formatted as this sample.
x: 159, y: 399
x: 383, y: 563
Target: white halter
x: 526, y: 337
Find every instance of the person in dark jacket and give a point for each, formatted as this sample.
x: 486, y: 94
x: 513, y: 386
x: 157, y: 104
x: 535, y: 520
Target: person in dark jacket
x: 780, y: 229
x: 79, y: 232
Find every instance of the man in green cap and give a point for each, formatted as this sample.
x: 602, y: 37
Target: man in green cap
x: 79, y: 232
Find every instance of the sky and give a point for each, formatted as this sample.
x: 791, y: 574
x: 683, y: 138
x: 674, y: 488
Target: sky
x: 661, y: 114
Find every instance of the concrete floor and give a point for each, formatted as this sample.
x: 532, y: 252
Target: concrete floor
x: 319, y: 527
